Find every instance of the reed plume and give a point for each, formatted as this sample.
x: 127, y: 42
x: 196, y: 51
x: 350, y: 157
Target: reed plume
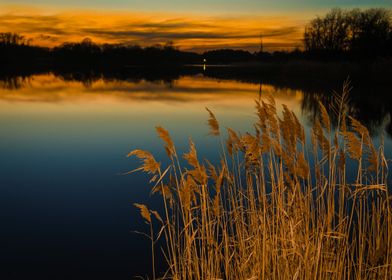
x: 165, y: 136
x: 275, y: 209
x: 213, y: 123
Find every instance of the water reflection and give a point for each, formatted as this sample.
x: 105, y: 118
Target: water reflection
x: 371, y: 109
x: 51, y: 88
x: 371, y: 104
x: 13, y: 82
x: 63, y: 206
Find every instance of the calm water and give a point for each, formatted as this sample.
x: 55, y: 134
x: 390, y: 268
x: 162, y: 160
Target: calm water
x: 65, y: 210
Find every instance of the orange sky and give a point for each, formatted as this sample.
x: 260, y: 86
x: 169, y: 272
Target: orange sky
x: 197, y: 32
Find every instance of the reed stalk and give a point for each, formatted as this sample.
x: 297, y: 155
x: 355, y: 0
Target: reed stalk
x: 276, y: 207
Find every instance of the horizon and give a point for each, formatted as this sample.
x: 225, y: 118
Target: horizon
x: 190, y: 26
x: 262, y: 130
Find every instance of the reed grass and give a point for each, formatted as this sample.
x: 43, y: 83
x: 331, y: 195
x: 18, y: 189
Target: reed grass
x: 276, y: 207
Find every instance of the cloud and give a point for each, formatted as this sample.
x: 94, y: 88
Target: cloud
x: 173, y: 34
x: 191, y: 32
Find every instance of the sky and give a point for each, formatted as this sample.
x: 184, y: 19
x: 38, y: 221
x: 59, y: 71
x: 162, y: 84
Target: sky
x: 190, y: 25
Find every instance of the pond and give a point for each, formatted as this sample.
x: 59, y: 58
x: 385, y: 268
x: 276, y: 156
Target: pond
x: 65, y: 207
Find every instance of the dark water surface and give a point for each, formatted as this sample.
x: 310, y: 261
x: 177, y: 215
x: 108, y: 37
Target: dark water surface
x: 65, y: 210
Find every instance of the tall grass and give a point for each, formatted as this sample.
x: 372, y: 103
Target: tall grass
x: 276, y: 207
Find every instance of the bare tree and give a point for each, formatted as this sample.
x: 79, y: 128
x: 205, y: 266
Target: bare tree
x: 371, y: 30
x: 328, y: 33
x: 350, y: 30
x: 9, y: 38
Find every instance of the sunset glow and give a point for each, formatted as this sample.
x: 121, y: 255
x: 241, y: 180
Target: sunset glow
x: 191, y: 25
x: 189, y: 32
x: 47, y: 88
x: 195, y: 139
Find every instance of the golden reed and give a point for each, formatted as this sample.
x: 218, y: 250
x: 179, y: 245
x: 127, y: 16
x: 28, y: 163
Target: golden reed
x: 276, y: 207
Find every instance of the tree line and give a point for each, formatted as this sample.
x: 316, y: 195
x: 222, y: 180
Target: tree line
x: 357, y: 32
x: 340, y: 34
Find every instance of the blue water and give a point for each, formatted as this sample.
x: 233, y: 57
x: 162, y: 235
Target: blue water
x: 65, y: 209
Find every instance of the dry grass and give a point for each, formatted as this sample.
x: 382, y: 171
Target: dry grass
x: 274, y: 209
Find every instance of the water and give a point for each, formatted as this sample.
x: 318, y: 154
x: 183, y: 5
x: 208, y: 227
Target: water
x: 65, y: 209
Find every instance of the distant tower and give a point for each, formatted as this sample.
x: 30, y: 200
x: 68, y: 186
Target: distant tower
x: 261, y: 43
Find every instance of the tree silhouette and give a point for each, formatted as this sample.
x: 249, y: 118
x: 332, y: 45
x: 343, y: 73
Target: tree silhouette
x: 9, y: 38
x: 330, y: 33
x: 371, y: 31
x: 227, y: 56
x: 354, y: 31
x: 340, y: 35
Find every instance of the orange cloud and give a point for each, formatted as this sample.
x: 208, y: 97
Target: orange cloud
x: 189, y: 32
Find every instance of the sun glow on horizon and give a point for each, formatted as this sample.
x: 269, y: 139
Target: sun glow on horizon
x: 187, y: 31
